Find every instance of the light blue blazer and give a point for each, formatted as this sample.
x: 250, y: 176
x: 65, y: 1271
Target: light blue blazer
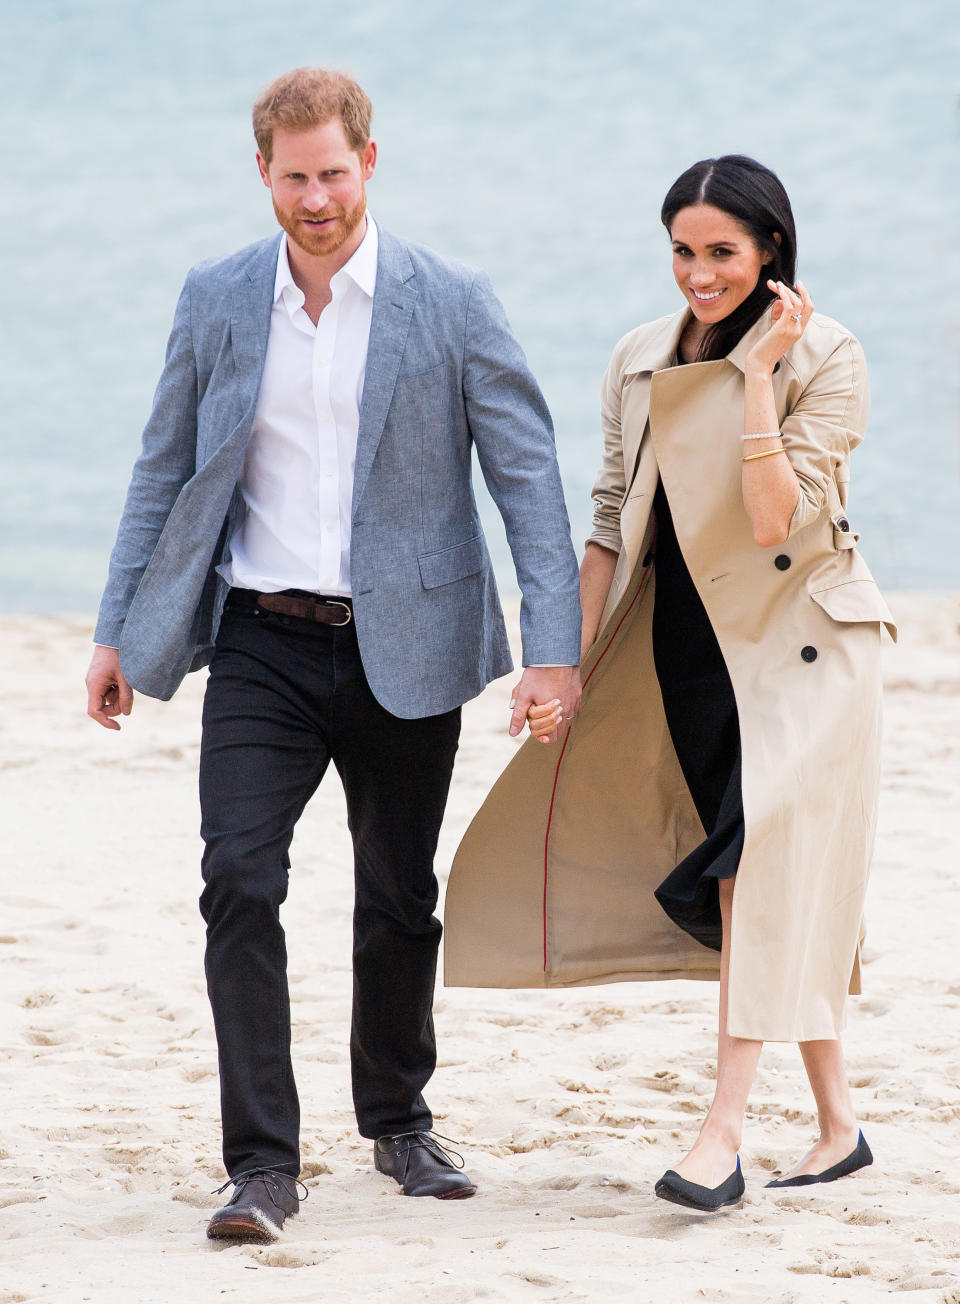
x: 444, y: 374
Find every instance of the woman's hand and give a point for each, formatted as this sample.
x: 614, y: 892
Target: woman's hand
x: 792, y: 309
x: 545, y: 720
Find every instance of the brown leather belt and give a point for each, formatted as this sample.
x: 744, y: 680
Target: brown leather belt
x: 328, y: 611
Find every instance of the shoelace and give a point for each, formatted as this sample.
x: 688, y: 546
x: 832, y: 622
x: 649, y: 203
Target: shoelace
x: 272, y: 1181
x: 426, y: 1141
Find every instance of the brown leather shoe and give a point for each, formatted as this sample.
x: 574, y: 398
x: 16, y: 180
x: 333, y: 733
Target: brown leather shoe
x: 261, y: 1200
x: 421, y: 1165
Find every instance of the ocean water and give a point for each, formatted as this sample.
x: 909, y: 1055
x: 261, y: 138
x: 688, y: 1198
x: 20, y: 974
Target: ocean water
x: 534, y: 138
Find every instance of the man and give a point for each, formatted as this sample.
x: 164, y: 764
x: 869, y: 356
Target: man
x: 301, y: 518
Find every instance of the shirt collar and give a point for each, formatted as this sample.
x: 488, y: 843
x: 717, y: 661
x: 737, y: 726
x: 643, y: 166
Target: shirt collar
x: 361, y: 267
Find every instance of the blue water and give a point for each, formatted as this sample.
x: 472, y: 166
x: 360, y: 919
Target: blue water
x: 535, y: 138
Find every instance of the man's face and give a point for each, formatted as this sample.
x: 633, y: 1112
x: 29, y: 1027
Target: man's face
x: 317, y: 184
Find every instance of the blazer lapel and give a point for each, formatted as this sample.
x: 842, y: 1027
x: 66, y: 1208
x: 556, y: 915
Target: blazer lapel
x: 394, y: 299
x: 250, y: 311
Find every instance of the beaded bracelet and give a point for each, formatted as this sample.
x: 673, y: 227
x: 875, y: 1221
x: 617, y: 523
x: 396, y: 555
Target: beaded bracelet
x: 770, y: 434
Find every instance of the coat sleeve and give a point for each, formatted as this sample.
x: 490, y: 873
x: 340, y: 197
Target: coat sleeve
x: 167, y: 461
x: 511, y: 428
x: 827, y: 422
x: 609, y: 485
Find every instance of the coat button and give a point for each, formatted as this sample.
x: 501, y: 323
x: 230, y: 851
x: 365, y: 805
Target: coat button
x: 782, y: 562
x: 808, y: 653
x: 647, y: 560
x: 843, y: 524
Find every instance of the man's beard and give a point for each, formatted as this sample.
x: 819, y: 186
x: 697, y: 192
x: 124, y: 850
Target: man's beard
x: 328, y: 241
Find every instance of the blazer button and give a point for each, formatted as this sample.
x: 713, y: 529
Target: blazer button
x: 808, y: 653
x: 782, y: 562
x: 647, y: 560
x: 843, y: 524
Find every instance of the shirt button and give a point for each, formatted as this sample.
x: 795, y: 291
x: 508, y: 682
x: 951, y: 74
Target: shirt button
x: 325, y: 416
x: 808, y: 653
x: 782, y: 562
x: 326, y: 472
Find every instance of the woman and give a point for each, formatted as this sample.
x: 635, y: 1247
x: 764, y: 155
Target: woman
x: 725, y: 758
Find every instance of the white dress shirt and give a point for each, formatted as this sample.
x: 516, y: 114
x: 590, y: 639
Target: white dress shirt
x: 297, y: 477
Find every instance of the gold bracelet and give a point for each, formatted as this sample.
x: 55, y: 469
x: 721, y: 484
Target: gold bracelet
x: 771, y: 452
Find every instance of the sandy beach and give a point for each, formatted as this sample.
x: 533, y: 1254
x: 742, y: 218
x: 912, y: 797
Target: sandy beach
x: 566, y: 1106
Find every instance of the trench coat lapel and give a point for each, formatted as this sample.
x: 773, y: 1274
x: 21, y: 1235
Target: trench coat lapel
x: 655, y: 354
x: 394, y: 298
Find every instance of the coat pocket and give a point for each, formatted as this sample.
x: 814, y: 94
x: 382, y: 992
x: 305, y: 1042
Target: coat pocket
x: 855, y: 601
x: 450, y: 564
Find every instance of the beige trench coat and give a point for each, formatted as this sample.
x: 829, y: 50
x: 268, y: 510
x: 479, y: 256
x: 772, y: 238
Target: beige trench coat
x: 553, y: 883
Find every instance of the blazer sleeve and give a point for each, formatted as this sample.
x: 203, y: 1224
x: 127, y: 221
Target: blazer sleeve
x: 827, y: 422
x: 167, y: 461
x: 513, y: 434
x: 609, y: 485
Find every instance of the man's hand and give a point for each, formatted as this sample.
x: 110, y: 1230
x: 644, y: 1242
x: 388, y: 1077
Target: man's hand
x: 554, y: 689
x: 108, y: 693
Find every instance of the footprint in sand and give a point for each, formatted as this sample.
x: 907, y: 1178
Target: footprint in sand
x: 863, y: 1218
x: 37, y: 1000
x: 293, y: 1256
x: 130, y: 1157
x: 314, y: 1168
x: 607, y: 1063
x: 538, y: 1278
x: 874, y: 1006
x: 194, y: 1196
x: 624, y: 1121
x: 562, y: 1182
x: 8, y: 1198
x: 827, y: 1264
x: 662, y: 1080
x: 582, y: 1086
x: 197, y: 1073
x: 44, y: 1037
x: 765, y: 1160
x: 597, y: 1211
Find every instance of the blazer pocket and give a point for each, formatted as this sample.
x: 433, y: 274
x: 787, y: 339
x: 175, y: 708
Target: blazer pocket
x: 855, y: 601
x: 451, y: 564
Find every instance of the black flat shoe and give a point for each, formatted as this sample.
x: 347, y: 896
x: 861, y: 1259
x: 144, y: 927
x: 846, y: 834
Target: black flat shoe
x: 707, y: 1199
x: 421, y: 1165
x: 261, y: 1200
x: 861, y: 1157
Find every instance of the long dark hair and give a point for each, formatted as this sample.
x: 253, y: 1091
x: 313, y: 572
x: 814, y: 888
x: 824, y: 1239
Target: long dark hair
x: 755, y: 197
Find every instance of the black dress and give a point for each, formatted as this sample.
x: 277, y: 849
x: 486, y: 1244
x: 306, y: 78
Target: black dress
x: 702, y: 717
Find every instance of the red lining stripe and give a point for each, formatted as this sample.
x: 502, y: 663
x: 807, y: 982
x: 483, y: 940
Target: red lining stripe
x: 556, y: 775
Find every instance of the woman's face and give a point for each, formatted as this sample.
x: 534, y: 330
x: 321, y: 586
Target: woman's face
x: 716, y: 262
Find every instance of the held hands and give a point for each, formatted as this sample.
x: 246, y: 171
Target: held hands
x: 545, y: 697
x: 792, y: 309
x: 108, y: 693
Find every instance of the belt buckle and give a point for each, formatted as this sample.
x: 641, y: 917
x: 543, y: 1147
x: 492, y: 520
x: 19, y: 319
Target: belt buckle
x: 348, y: 614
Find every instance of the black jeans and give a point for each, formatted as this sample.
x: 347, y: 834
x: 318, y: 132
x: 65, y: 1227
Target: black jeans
x: 285, y: 697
